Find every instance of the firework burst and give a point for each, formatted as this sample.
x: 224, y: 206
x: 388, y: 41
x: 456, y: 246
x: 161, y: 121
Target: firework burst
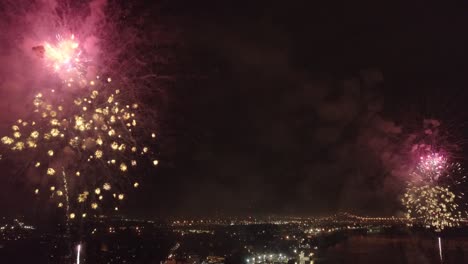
x: 65, y: 55
x: 433, y: 196
x: 435, y: 206
x: 65, y: 58
x: 84, y: 150
x: 431, y: 167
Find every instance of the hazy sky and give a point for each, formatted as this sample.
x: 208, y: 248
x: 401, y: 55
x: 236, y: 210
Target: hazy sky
x: 284, y: 108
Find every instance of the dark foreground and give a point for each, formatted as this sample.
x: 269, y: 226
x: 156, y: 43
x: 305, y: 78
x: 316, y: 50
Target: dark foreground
x: 129, y: 242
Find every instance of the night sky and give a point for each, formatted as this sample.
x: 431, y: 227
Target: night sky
x: 294, y: 108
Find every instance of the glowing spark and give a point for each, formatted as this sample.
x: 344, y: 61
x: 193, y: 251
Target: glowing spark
x: 54, y: 132
x: 114, y: 145
x: 82, y: 197
x: 50, y: 171
x: 18, y: 146
x: 106, y: 186
x: 98, y: 153
x: 94, y: 94
x: 123, y: 167
x: 122, y: 147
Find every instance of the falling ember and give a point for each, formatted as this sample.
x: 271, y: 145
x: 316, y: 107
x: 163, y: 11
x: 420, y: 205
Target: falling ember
x: 98, y: 154
x: 7, y: 140
x: 123, y: 167
x: 50, y: 171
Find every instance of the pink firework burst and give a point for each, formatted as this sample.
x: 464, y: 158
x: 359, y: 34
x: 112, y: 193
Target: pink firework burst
x: 63, y: 56
x: 432, y: 166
